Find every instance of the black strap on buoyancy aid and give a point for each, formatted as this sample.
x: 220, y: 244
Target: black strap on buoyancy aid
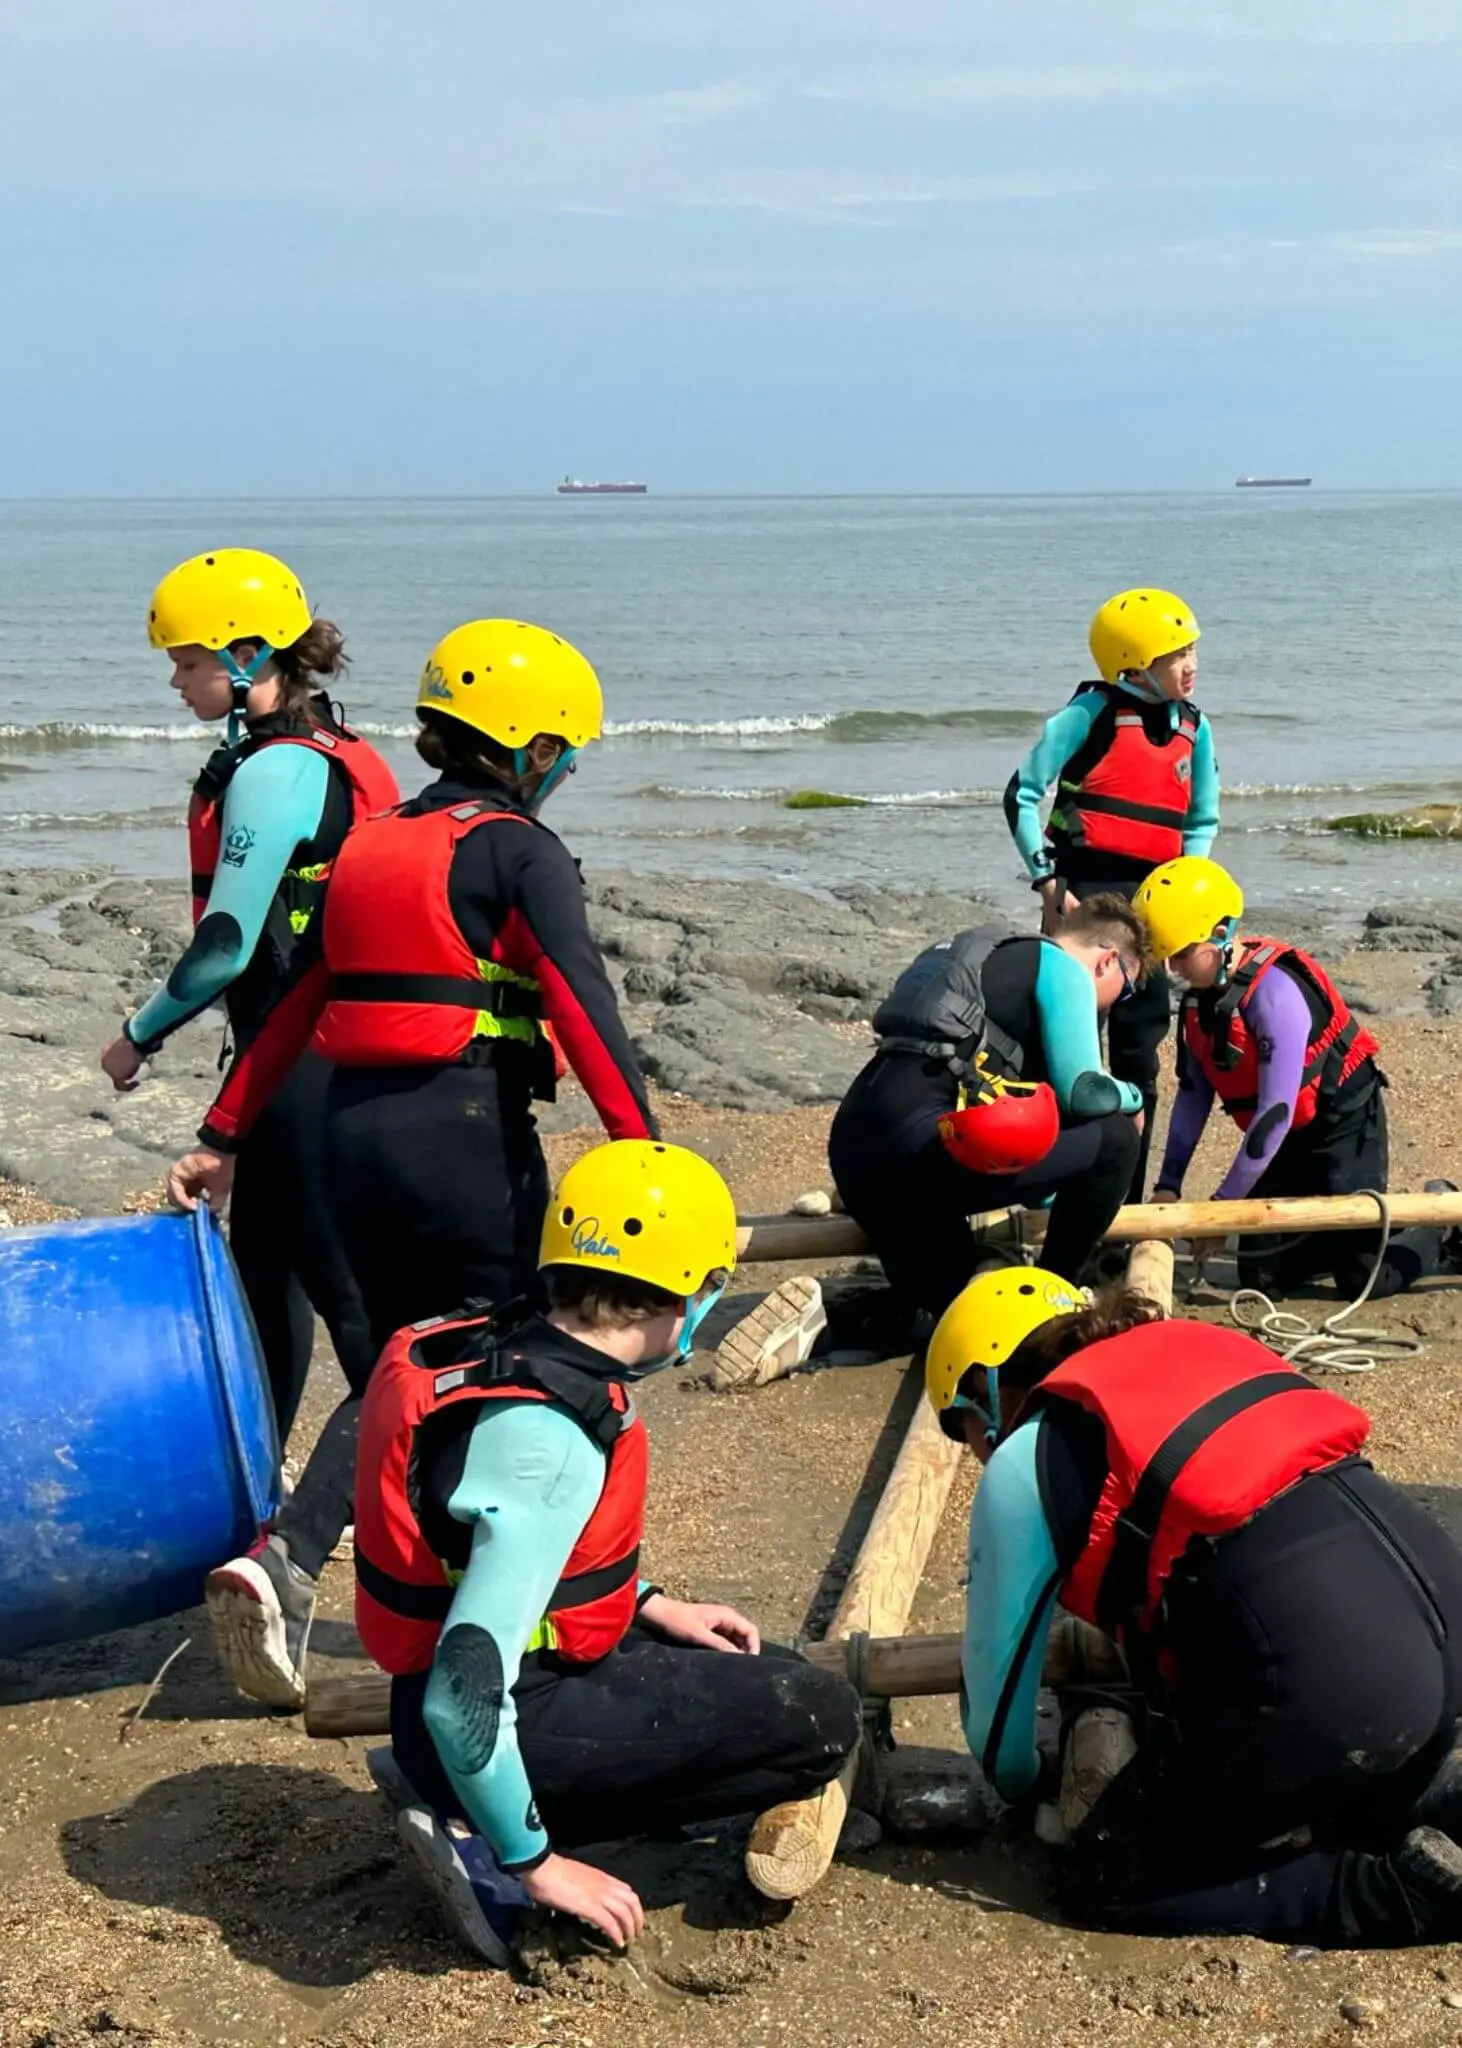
x: 1228, y: 1000
x: 1124, y: 1583
x: 489, y: 1357
x: 936, y: 1008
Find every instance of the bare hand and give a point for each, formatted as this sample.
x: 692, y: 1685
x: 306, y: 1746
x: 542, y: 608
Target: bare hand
x: 1054, y: 909
x: 121, y: 1063
x: 201, y: 1175
x: 1202, y: 1249
x: 588, y: 1894
x: 1139, y: 1122
x: 1166, y: 1195
x: 702, y: 1622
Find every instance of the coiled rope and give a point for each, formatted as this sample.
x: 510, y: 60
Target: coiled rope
x: 1328, y: 1348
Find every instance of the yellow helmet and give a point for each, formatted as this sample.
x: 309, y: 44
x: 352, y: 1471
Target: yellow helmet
x: 1186, y: 901
x: 645, y: 1210
x: 1136, y: 628
x: 232, y: 594
x: 512, y: 681
x: 985, y: 1324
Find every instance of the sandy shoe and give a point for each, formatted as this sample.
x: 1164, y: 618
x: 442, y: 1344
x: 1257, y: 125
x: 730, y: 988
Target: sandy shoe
x: 261, y: 1607
x: 483, y: 1903
x: 776, y: 1337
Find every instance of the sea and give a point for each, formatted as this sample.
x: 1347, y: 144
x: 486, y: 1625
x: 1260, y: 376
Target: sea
x: 903, y: 651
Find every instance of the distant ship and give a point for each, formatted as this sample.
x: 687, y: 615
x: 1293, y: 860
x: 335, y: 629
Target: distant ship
x: 1270, y: 483
x: 571, y: 487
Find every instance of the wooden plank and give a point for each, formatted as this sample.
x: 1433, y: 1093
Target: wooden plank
x: 792, y: 1845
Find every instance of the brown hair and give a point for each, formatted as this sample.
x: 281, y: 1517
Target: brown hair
x: 449, y: 746
x: 605, y: 1301
x: 1115, y: 1310
x: 317, y: 656
x: 1111, y: 921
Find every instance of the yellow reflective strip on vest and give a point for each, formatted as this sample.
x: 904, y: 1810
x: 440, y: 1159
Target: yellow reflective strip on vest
x: 317, y: 873
x: 524, y: 1029
x: 544, y: 1637
x: 299, y: 921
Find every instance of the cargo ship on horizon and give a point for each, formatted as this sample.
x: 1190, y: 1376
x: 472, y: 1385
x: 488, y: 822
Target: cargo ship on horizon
x: 1271, y: 483
x: 572, y: 487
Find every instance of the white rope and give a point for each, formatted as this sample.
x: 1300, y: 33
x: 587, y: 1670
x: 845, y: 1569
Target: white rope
x: 1328, y: 1348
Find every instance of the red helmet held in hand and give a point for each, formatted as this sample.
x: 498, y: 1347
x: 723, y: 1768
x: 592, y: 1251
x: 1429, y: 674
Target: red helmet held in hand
x: 1013, y: 1126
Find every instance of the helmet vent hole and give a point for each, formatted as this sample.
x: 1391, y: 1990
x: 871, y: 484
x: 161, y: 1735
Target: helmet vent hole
x: 1026, y: 1288
x: 568, y: 1217
x: 468, y: 676
x: 632, y: 1226
x: 209, y: 562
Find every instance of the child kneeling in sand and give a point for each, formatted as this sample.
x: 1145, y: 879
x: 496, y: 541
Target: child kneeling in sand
x: 543, y: 1693
x: 1265, y: 1030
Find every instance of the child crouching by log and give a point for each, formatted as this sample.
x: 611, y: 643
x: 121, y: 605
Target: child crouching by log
x: 544, y: 1695
x: 1265, y: 1031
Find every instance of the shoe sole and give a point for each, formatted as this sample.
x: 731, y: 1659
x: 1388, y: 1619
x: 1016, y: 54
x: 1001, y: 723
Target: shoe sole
x: 430, y: 1848
x: 248, y: 1634
x: 390, y: 1780
x: 775, y: 1338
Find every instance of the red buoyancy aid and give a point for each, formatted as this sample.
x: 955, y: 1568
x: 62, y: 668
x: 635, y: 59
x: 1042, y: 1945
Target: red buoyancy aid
x: 1228, y: 1055
x: 430, y: 1379
x: 1204, y: 1427
x: 372, y: 788
x: 405, y: 985
x: 1128, y: 789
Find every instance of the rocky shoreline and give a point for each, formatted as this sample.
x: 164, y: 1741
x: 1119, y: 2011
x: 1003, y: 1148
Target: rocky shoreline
x: 738, y: 995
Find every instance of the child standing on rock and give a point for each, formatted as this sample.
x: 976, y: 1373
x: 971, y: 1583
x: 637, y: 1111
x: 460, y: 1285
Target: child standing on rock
x: 1132, y: 762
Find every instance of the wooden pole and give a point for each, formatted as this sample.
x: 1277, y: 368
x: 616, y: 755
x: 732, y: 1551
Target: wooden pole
x: 792, y: 1845
x: 894, y: 1667
x: 778, y: 1238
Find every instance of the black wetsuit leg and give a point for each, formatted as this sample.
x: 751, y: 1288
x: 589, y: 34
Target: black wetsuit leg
x: 656, y: 1736
x: 1344, y: 1149
x: 438, y: 1187
x: 1319, y: 1653
x: 284, y: 1242
x: 1136, y: 1029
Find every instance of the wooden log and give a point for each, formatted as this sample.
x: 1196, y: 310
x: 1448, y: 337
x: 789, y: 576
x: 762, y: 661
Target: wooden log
x: 348, y: 1703
x: 792, y: 1845
x: 806, y: 1238
x: 1150, y: 1272
x: 894, y: 1667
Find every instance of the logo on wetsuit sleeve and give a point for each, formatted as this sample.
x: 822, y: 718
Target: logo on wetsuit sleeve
x: 587, y: 1240
x: 236, y: 846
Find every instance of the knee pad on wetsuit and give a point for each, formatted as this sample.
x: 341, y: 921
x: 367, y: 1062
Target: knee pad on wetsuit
x: 469, y: 1671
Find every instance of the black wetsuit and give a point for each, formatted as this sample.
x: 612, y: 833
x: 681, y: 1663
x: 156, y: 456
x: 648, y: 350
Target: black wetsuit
x: 436, y: 1177
x: 913, y: 1198
x: 1316, y: 1655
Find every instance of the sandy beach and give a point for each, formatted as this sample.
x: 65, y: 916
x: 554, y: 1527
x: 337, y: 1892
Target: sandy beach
x: 216, y: 1876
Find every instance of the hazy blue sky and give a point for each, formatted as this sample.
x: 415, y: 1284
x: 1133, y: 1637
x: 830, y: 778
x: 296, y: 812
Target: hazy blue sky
x: 466, y: 245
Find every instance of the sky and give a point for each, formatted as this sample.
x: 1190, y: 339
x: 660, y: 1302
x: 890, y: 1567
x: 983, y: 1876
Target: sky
x: 317, y: 247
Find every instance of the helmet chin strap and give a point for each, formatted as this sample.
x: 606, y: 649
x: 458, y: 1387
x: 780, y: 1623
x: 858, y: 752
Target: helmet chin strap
x: 697, y: 1308
x: 243, y: 680
x: 1223, y: 937
x: 564, y: 765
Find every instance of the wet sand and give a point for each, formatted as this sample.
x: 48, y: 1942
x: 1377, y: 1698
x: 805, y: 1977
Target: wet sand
x: 219, y: 1877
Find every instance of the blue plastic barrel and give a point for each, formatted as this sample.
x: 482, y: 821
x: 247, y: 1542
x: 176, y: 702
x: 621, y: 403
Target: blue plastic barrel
x: 137, y: 1440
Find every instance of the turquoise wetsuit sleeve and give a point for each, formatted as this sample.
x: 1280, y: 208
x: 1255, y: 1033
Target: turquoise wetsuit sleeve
x: 1201, y: 827
x: 1012, y: 1586
x: 1064, y: 735
x: 274, y: 803
x: 530, y: 1482
x: 1071, y: 1042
